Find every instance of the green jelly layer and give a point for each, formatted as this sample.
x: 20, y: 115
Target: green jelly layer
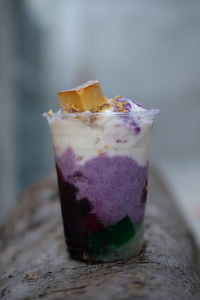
x: 115, y: 235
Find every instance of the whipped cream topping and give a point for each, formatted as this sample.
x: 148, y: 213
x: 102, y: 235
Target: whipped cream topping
x: 122, y: 128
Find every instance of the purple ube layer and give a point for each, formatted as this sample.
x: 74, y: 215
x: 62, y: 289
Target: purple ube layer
x: 115, y: 186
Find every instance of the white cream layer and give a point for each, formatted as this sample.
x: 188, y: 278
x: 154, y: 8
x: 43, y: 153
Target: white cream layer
x: 109, y: 134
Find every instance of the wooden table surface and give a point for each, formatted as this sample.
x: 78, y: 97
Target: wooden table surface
x: 34, y: 263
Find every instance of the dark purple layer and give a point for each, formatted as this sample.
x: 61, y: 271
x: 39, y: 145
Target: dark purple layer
x: 115, y: 186
x: 79, y: 223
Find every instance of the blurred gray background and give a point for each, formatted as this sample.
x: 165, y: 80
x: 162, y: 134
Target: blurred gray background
x: 147, y: 50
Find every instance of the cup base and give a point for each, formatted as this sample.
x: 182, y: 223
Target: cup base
x: 132, y: 248
x: 86, y: 257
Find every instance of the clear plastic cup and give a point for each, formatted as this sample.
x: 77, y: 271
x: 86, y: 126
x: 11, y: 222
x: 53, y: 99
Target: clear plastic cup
x: 102, y: 168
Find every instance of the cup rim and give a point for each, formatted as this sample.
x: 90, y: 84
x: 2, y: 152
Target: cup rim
x: 60, y: 115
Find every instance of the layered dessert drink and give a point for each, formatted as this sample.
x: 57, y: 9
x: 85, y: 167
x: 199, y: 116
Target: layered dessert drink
x: 101, y: 148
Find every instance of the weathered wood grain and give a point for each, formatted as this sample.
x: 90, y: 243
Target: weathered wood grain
x: 34, y: 263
